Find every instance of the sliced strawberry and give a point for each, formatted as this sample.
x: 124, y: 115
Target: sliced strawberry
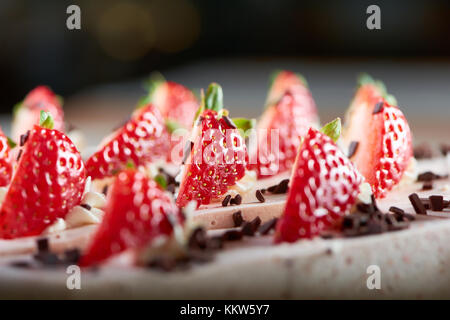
x: 27, y: 112
x: 143, y: 139
x: 282, y: 126
x: 49, y: 181
x: 137, y: 211
x: 323, y: 188
x: 383, y: 135
x: 218, y: 157
x: 281, y: 81
x: 6, y: 160
x: 176, y: 102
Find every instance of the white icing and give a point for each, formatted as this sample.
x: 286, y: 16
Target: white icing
x: 79, y: 216
x: 365, y: 193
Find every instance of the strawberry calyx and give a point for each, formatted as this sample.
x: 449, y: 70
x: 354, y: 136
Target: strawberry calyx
x: 213, y: 100
x: 46, y: 120
x: 333, y: 129
x: 366, y: 79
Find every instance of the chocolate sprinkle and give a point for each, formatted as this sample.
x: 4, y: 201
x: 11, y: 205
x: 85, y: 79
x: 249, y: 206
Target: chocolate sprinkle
x: 267, y: 226
x: 429, y: 176
x: 396, y: 210
x: 419, y: 208
x: 86, y: 206
x: 232, y: 235
x: 226, y: 200
x: 43, y: 245
x: 197, y: 240
x: 105, y: 190
x: 18, y: 156
x: 72, y: 256
x: 378, y: 107
x: 436, y: 202
x: 237, y: 218
x: 352, y: 148
x: 229, y: 122
x: 249, y: 228
x: 427, y: 185
x: 237, y: 199
x: 423, y: 151
x: 24, y: 138
x: 47, y: 258
x: 444, y: 148
x: 260, y: 196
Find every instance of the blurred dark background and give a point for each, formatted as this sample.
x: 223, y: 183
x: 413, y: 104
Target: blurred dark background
x: 237, y: 42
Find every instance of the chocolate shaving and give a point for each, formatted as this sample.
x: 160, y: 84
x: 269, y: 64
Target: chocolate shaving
x: 72, y: 256
x: 427, y: 185
x: 436, y: 202
x: 43, y: 245
x: 164, y: 263
x: 418, y: 206
x: 229, y: 122
x: 423, y: 151
x: 279, y: 188
x: 352, y: 148
x: 249, y: 228
x: 444, y: 148
x: 267, y: 226
x: 86, y: 206
x: 237, y: 199
x: 232, y: 235
x: 105, y: 190
x: 47, y: 258
x: 197, y: 240
x: 396, y: 210
x: 226, y: 200
x: 21, y: 264
x: 24, y: 138
x: 260, y: 196
x: 378, y: 107
x: 237, y: 219
x: 19, y: 154
x: 429, y: 176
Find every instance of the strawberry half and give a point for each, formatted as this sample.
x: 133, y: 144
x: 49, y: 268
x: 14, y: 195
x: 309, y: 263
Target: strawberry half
x: 280, y: 82
x: 383, y: 135
x: 142, y: 140
x: 27, y: 113
x: 49, y: 181
x: 176, y: 102
x: 288, y: 119
x: 219, y: 155
x: 6, y: 160
x: 137, y: 211
x: 323, y: 188
x: 178, y: 106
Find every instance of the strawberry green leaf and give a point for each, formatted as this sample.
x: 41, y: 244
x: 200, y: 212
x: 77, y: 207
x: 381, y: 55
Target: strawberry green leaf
x: 172, y: 125
x: 332, y: 129
x: 60, y: 100
x: 244, y: 124
x: 152, y: 83
x: 46, y: 120
x: 161, y: 181
x: 391, y: 99
x: 16, y: 107
x: 143, y: 101
x: 214, y: 97
x: 365, y: 78
x: 275, y: 74
x: 130, y: 165
x: 11, y: 143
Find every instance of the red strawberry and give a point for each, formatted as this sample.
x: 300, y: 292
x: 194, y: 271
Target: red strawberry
x: 137, y: 211
x: 176, y: 102
x: 49, y: 181
x: 323, y: 188
x: 291, y: 115
x: 383, y: 135
x: 281, y: 81
x: 218, y: 157
x: 178, y: 106
x: 5, y: 159
x: 143, y: 139
x: 27, y: 112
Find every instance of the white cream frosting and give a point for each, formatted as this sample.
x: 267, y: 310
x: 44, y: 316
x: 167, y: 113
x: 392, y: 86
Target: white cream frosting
x: 79, y: 216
